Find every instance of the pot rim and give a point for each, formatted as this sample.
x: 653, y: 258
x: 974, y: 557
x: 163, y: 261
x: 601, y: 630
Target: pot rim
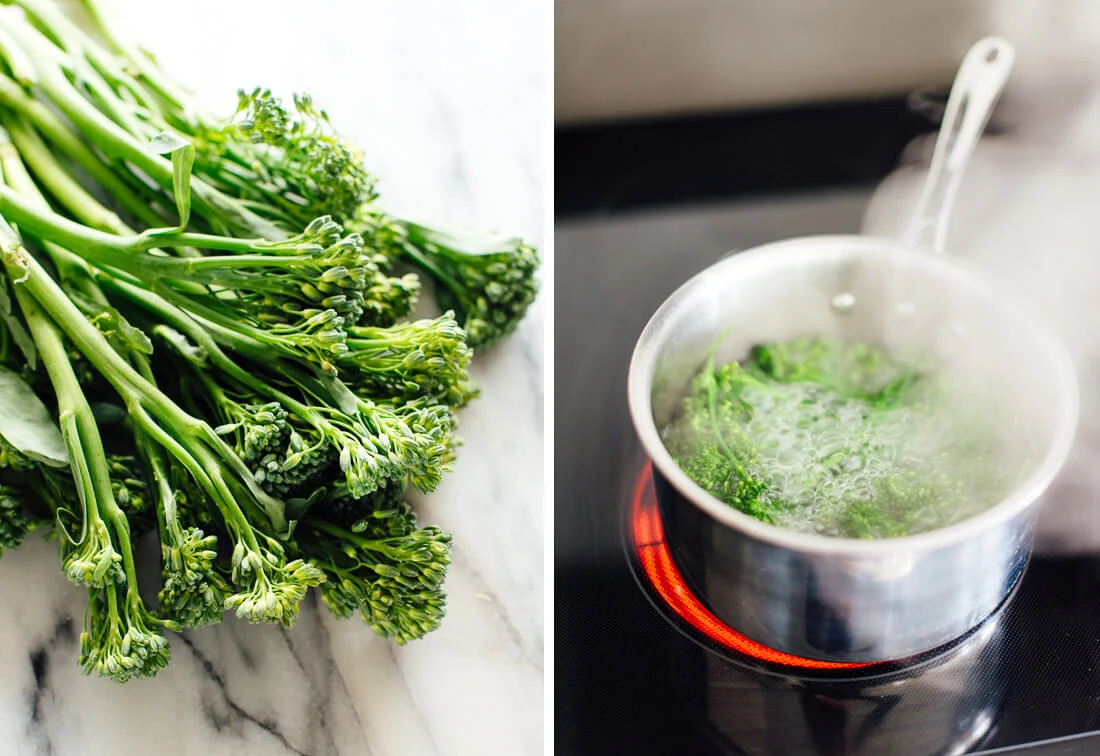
x: 646, y: 352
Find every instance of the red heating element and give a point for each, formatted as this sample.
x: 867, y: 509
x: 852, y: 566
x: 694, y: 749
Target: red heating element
x: 656, y: 560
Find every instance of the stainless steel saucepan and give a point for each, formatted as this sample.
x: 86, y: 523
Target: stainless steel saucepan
x: 844, y: 599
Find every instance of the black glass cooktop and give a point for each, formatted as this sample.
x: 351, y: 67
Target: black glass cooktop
x: 633, y: 678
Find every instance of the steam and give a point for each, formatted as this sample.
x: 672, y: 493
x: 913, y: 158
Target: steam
x: 1029, y: 213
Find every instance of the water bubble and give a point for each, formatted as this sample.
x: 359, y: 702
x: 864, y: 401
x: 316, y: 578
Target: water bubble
x: 844, y: 302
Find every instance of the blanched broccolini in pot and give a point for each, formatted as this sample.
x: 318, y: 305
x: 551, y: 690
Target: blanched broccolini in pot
x: 839, y: 439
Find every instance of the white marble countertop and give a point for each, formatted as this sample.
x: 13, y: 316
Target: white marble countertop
x: 447, y: 100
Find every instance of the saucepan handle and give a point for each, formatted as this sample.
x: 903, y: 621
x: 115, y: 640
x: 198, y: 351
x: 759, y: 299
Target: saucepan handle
x: 977, y: 87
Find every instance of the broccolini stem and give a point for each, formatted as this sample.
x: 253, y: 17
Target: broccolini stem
x: 58, y: 134
x: 134, y: 390
x: 207, y: 471
x: 200, y: 334
x: 186, y: 323
x: 73, y: 270
x: 429, y: 264
x: 118, y: 251
x: 18, y: 61
x: 33, y: 152
x: 167, y: 510
x: 120, y: 144
x: 75, y: 41
x: 373, y: 544
x: 80, y: 431
x: 36, y: 155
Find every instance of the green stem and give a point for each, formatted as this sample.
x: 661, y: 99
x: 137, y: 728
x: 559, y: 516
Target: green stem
x: 58, y: 134
x: 121, y: 112
x: 119, y: 251
x: 199, y: 333
x: 19, y: 63
x: 38, y: 158
x: 371, y: 544
x: 167, y: 511
x: 34, y: 153
x: 430, y: 265
x: 81, y: 62
x: 206, y: 471
x: 118, y: 143
x: 82, y: 434
x: 71, y: 268
x: 134, y: 390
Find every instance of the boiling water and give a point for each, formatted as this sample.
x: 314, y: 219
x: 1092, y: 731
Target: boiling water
x: 836, y: 464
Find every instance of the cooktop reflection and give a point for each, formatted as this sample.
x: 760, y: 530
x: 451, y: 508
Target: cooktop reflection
x: 642, y: 667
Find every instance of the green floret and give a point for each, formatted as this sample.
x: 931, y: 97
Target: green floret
x: 488, y: 281
x: 193, y: 591
x: 256, y: 430
x: 379, y: 443
x: 300, y: 163
x: 276, y: 586
x: 121, y: 639
x: 385, y: 506
x: 409, y: 360
x: 132, y: 493
x: 433, y: 427
x: 387, y: 299
x: 371, y: 441
x: 390, y: 573
x: 93, y: 561
x: 14, y: 522
x: 296, y: 466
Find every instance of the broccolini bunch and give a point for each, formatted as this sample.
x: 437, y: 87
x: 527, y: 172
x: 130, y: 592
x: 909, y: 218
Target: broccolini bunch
x: 202, y: 322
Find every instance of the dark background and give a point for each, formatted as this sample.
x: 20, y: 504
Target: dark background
x: 608, y: 169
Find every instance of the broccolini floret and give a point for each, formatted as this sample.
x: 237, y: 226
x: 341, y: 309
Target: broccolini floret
x: 14, y: 522
x: 382, y: 566
x: 489, y: 282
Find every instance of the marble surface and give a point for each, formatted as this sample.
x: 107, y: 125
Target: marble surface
x: 447, y: 99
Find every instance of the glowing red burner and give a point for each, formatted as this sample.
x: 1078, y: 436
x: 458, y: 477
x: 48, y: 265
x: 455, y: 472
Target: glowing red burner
x: 656, y: 561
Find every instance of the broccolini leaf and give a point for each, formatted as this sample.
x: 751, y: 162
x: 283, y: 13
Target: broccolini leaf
x: 25, y: 423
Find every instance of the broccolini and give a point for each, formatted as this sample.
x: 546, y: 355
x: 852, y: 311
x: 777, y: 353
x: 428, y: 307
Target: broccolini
x: 837, y: 439
x: 206, y: 317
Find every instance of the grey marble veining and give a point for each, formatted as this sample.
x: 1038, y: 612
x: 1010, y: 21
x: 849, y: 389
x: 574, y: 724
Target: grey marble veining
x: 447, y: 100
